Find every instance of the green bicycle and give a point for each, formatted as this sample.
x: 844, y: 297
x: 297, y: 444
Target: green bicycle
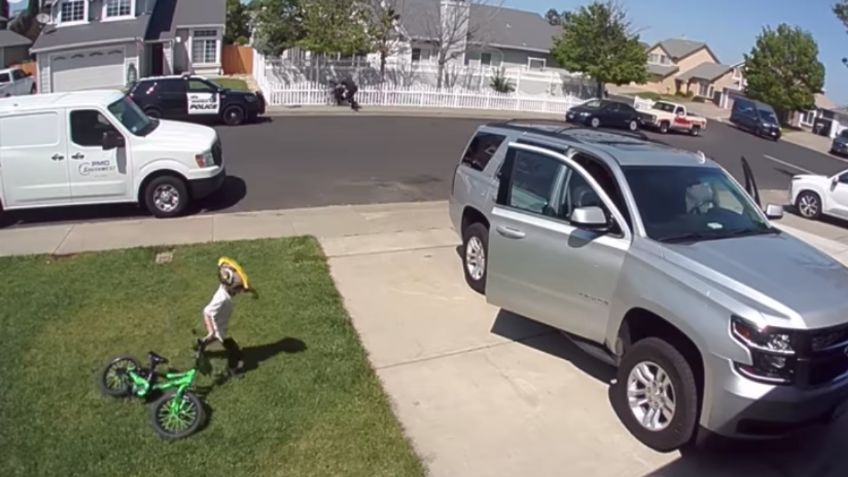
x: 178, y: 412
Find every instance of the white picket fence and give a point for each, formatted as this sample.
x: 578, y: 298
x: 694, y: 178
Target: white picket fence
x: 316, y: 94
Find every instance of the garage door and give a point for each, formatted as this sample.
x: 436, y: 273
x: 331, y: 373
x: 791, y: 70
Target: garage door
x: 88, y: 70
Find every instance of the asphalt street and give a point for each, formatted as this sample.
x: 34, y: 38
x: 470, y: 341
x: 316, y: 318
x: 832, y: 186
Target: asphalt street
x: 287, y: 162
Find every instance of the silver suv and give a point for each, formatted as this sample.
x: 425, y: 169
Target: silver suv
x: 656, y: 260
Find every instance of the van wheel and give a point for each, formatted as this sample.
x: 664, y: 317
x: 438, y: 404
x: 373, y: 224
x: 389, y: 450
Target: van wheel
x: 234, y: 116
x: 153, y: 113
x: 809, y: 205
x: 475, y: 249
x: 166, y: 196
x: 664, y: 127
x: 655, y: 395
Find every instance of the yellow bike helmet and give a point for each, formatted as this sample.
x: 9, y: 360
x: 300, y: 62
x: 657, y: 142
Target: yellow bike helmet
x: 231, y: 274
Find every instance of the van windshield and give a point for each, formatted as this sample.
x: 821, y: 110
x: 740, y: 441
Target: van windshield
x: 768, y: 116
x: 133, y: 118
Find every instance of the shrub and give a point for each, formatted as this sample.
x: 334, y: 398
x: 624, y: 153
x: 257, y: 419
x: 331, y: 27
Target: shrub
x: 501, y: 83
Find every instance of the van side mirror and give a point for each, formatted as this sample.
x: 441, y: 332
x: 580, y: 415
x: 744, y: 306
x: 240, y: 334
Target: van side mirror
x: 112, y: 140
x: 590, y: 218
x: 774, y: 212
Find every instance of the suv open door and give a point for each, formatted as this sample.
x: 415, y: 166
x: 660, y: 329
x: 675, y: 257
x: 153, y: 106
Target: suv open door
x: 751, y: 183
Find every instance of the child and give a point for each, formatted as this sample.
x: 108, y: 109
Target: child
x: 216, y: 315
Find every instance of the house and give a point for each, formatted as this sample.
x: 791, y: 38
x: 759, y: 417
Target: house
x: 109, y: 43
x: 14, y: 48
x: 491, y: 36
x: 681, y: 66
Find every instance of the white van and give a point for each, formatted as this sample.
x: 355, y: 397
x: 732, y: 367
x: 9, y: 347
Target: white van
x: 98, y: 147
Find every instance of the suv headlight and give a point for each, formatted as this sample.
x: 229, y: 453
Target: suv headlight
x: 772, y: 352
x: 205, y: 160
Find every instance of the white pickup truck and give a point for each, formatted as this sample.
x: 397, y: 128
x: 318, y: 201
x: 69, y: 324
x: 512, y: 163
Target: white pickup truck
x: 15, y: 82
x: 664, y: 117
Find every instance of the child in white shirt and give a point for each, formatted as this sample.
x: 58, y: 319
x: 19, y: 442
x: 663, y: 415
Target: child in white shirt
x: 216, y: 315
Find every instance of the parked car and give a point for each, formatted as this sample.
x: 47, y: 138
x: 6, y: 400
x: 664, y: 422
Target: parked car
x: 815, y: 195
x: 15, y: 82
x: 839, y: 146
x: 664, y: 117
x: 755, y: 117
x: 194, y: 98
x: 98, y: 147
x: 658, y: 262
x: 600, y: 112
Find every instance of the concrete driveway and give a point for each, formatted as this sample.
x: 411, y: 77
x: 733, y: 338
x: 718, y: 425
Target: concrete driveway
x: 482, y: 392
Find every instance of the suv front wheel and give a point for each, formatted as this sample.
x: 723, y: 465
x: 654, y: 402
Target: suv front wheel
x: 475, y: 248
x: 655, y: 395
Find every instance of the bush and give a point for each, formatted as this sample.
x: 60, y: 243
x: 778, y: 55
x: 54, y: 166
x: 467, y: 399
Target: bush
x: 501, y: 83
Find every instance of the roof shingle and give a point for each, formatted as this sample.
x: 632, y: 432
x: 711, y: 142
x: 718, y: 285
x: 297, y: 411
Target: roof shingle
x: 680, y: 48
x: 662, y: 70
x: 706, y: 71
x: 9, y: 38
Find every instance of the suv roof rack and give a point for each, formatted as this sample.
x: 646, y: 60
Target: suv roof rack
x: 563, y: 131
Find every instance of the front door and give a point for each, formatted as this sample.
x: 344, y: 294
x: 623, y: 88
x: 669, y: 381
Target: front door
x: 157, y: 59
x: 540, y: 265
x: 34, y: 160
x: 96, y: 174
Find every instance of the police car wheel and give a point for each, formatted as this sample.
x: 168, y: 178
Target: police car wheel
x: 233, y: 116
x: 166, y: 197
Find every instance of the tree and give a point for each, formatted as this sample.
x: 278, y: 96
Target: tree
x: 383, y: 30
x: 554, y: 17
x: 841, y: 11
x: 783, y: 69
x: 450, y: 30
x: 277, y: 25
x: 334, y: 26
x: 238, y: 23
x: 598, y: 40
x: 4, y: 13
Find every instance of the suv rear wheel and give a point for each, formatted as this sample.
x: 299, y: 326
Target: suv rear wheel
x: 475, y: 248
x: 655, y: 395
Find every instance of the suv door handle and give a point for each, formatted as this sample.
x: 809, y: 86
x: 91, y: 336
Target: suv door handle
x: 57, y: 157
x: 510, y: 232
x: 78, y: 155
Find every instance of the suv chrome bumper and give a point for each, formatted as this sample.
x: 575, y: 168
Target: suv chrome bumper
x: 740, y: 407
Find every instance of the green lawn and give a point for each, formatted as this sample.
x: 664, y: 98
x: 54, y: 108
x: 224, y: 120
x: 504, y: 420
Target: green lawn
x: 658, y: 97
x: 312, y: 406
x: 234, y: 84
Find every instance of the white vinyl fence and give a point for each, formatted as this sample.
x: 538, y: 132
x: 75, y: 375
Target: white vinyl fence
x: 313, y: 93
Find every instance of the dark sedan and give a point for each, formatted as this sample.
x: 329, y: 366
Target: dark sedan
x: 604, y: 113
x: 839, y: 146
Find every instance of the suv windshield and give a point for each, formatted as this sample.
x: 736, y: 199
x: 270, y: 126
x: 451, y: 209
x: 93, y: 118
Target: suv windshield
x: 132, y: 117
x: 680, y: 203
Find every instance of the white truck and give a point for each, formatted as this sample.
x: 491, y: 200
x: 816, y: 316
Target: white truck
x: 15, y: 82
x: 665, y: 116
x: 98, y: 147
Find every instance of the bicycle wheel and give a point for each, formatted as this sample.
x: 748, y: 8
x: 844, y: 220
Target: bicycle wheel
x: 173, y: 418
x: 115, y: 380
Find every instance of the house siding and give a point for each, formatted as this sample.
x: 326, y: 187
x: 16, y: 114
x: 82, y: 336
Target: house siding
x: 702, y: 56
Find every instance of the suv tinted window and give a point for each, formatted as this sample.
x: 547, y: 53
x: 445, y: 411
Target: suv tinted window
x: 200, y: 86
x: 18, y: 74
x: 481, y: 150
x: 533, y: 180
x: 4, y: 78
x: 87, y: 128
x: 171, y: 86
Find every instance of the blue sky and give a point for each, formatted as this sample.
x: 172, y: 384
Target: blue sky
x: 730, y: 27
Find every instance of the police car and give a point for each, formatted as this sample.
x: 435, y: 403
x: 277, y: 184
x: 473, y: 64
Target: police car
x: 195, y: 98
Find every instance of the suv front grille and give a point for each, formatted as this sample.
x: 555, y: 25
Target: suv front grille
x: 823, y: 356
x: 217, y: 153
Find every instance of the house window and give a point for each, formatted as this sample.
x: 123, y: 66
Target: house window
x: 653, y: 58
x: 486, y: 59
x: 737, y: 73
x: 705, y: 90
x: 664, y: 60
x: 809, y: 118
x: 73, y: 11
x: 536, y: 63
x: 416, y: 55
x: 117, y: 8
x: 204, y: 46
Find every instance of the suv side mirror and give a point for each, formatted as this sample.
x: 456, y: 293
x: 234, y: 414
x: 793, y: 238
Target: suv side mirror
x: 774, y: 212
x: 112, y: 140
x: 590, y: 218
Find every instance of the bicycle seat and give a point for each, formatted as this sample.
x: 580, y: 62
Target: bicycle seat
x: 156, y: 359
